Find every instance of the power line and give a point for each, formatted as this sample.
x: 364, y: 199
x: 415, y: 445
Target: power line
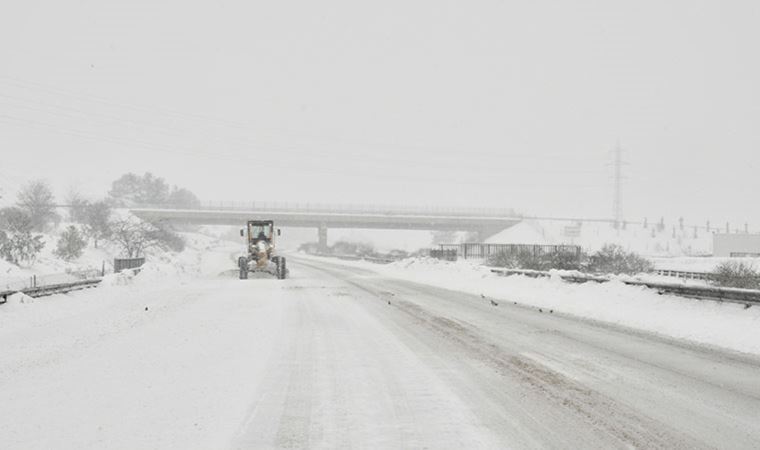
x: 274, y: 162
x: 207, y: 120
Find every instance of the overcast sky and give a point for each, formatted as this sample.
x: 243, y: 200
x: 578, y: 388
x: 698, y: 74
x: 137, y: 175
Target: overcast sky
x: 490, y: 103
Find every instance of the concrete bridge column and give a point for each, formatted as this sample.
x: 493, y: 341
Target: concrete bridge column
x: 484, y: 233
x: 322, y: 238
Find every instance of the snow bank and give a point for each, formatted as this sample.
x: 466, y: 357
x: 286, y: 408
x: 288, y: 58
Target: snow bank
x: 117, y: 279
x: 727, y: 325
x: 650, y: 241
x: 19, y: 298
x: 699, y: 264
x: 525, y: 232
x: 203, y: 256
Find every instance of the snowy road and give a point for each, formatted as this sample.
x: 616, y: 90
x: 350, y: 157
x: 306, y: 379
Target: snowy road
x: 341, y: 357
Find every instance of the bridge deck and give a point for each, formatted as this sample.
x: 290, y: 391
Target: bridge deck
x: 339, y: 219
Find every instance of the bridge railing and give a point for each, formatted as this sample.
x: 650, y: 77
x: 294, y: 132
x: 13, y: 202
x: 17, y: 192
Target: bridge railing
x: 350, y: 208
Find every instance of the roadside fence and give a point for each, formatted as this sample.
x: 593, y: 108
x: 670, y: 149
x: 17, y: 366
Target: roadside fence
x: 120, y: 264
x: 485, y: 251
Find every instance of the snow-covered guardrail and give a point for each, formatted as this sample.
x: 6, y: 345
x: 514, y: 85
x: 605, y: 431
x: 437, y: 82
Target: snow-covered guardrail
x: 572, y: 277
x: 683, y: 274
x: 372, y: 259
x: 745, y: 296
x: 50, y: 289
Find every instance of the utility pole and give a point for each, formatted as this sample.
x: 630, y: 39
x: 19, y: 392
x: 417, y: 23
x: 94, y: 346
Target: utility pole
x: 617, y: 201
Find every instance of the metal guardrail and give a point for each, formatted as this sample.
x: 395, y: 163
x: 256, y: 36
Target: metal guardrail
x: 373, y: 259
x: 31, y: 281
x: 705, y: 276
x: 571, y: 276
x: 59, y: 283
x: 746, y: 297
x: 50, y: 289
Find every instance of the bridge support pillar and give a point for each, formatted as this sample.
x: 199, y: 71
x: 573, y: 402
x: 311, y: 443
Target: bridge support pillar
x: 486, y: 232
x: 322, y: 238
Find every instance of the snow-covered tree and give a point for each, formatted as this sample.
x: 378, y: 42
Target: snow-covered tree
x: 71, y: 244
x: 17, y: 244
x: 77, y: 206
x: 131, y: 189
x: 97, y: 221
x: 126, y: 189
x: 183, y: 197
x: 148, y: 189
x: 37, y: 199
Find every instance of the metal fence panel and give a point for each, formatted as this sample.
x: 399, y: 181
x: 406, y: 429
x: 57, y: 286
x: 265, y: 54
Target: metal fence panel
x: 485, y: 251
x: 120, y: 264
x: 446, y: 255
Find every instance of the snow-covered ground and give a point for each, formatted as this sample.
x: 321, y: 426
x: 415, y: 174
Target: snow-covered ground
x: 726, y: 325
x: 345, y: 355
x: 699, y: 264
x: 184, y: 355
x: 49, y: 268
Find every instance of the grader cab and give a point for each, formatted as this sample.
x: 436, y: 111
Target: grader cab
x: 260, y: 250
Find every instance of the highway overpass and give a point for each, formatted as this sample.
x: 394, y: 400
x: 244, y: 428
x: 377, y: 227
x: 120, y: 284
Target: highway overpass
x: 485, y: 222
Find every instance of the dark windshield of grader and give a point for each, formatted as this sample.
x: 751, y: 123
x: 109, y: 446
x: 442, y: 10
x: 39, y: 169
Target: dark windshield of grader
x: 255, y: 229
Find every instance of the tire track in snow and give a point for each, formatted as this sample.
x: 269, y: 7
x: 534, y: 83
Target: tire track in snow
x: 599, y: 412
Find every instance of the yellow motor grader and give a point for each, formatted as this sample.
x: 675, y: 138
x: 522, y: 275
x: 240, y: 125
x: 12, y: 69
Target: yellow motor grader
x: 260, y: 248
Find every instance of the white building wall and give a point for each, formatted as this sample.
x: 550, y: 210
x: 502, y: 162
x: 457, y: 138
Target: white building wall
x: 736, y: 244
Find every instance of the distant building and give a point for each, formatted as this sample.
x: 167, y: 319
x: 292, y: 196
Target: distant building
x: 739, y: 244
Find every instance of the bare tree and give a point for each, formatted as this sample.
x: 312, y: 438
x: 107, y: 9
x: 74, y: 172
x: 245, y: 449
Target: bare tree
x: 134, y: 236
x: 37, y: 199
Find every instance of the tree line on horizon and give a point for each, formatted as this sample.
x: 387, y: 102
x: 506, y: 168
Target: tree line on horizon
x: 35, y: 212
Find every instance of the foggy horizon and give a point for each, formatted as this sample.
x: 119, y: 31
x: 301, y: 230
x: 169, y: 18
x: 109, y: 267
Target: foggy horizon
x: 496, y: 105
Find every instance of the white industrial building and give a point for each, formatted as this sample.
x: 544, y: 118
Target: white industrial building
x: 738, y: 244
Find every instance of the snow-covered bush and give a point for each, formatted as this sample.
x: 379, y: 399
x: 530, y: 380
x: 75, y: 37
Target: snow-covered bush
x: 168, y: 239
x: 516, y: 261
x: 71, y: 244
x: 736, y: 274
x: 20, y: 247
x: 17, y: 244
x: 531, y: 261
x: 614, y: 259
x: 352, y: 248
